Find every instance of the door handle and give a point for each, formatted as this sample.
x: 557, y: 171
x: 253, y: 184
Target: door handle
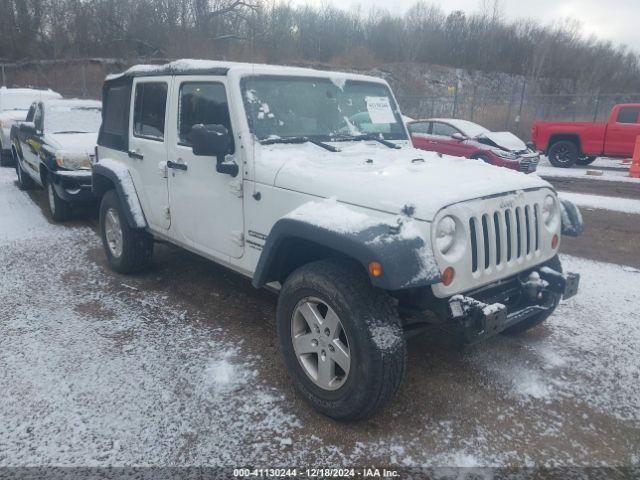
x: 134, y: 154
x: 177, y: 166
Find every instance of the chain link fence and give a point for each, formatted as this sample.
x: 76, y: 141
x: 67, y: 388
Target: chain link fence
x: 81, y: 78
x: 515, y: 112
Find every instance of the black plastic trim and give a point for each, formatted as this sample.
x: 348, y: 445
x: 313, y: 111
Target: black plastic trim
x: 99, y: 190
x: 401, y: 258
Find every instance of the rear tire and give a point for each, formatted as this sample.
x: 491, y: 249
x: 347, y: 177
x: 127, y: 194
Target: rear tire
x: 563, y: 154
x: 59, y: 208
x: 536, y: 320
x: 369, y: 327
x: 25, y: 182
x: 128, y: 249
x: 586, y: 160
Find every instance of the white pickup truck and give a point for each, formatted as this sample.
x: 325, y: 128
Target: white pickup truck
x: 14, y: 105
x: 307, y: 181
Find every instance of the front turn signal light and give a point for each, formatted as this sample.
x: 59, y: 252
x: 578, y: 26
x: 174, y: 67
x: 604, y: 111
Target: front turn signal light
x: 554, y: 241
x: 448, y: 275
x: 375, y: 269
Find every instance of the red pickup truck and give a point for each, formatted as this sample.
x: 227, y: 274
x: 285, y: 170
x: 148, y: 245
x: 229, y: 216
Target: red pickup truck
x: 570, y: 143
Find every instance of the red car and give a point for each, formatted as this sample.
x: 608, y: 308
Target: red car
x: 462, y: 138
x: 568, y: 143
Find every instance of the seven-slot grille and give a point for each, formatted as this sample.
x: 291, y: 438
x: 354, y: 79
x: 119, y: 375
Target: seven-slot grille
x: 503, y: 236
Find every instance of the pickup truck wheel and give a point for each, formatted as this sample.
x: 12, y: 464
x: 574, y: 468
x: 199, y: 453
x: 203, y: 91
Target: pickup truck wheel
x: 60, y: 210
x: 563, y: 154
x: 25, y: 182
x: 341, y: 339
x: 586, y: 160
x: 536, y: 320
x: 128, y: 249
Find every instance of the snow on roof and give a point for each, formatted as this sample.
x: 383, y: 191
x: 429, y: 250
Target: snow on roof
x: 215, y: 67
x: 22, y: 98
x: 72, y: 103
x: 470, y: 129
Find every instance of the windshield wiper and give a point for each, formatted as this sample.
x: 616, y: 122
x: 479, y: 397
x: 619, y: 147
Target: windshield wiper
x: 298, y: 140
x: 368, y: 136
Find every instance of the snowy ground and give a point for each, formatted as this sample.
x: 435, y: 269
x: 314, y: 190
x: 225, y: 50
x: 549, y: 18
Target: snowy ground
x: 613, y: 170
x: 179, y: 366
x: 625, y: 205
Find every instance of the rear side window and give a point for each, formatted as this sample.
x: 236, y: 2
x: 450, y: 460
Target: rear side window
x: 443, y: 130
x: 419, y: 127
x: 628, y: 115
x: 149, y: 110
x: 202, y: 103
x: 114, y: 132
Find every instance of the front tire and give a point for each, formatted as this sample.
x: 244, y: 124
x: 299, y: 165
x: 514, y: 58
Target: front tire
x: 536, y: 320
x: 341, y: 339
x: 128, y: 249
x: 59, y: 208
x: 25, y: 182
x: 563, y: 154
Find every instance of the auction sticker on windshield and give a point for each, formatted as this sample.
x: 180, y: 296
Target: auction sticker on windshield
x: 380, y: 110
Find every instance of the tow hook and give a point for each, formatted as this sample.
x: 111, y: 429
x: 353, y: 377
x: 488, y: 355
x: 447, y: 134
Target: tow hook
x: 565, y: 284
x: 534, y: 286
x: 478, y: 319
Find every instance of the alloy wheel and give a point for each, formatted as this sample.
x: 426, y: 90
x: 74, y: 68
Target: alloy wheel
x: 113, y: 232
x: 51, y: 197
x: 320, y: 343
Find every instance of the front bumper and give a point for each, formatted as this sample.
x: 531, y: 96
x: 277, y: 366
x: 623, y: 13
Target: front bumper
x: 481, y: 318
x: 74, y: 186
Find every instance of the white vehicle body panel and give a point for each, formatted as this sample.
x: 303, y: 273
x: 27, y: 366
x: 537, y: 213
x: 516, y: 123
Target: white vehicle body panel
x: 151, y: 185
x: 201, y: 200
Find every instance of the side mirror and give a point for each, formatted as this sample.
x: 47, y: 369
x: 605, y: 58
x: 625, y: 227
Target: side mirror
x: 213, y: 141
x: 458, y: 136
x: 28, y: 127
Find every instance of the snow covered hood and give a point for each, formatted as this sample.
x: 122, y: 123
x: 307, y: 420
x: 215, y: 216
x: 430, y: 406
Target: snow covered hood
x: 373, y: 176
x: 506, y: 140
x: 74, y: 143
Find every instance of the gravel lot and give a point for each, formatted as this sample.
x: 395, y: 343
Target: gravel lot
x: 180, y: 366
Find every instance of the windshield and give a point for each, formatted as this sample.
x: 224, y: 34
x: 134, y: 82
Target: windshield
x: 470, y: 129
x: 72, y: 119
x: 282, y: 107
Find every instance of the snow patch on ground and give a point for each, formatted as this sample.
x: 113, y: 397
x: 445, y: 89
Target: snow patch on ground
x: 612, y: 171
x: 614, y: 204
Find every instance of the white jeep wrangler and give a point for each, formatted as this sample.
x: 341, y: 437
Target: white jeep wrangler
x: 307, y: 181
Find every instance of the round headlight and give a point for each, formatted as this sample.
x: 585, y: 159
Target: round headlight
x: 549, y: 209
x: 445, y: 234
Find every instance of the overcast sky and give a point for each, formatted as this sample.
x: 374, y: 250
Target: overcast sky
x: 616, y: 20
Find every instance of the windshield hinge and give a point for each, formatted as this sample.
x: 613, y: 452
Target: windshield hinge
x: 235, y: 187
x: 238, y: 238
x: 167, y: 212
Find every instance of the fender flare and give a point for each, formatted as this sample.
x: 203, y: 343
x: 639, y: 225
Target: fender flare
x: 572, y: 223
x: 121, y: 179
x: 407, y: 262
